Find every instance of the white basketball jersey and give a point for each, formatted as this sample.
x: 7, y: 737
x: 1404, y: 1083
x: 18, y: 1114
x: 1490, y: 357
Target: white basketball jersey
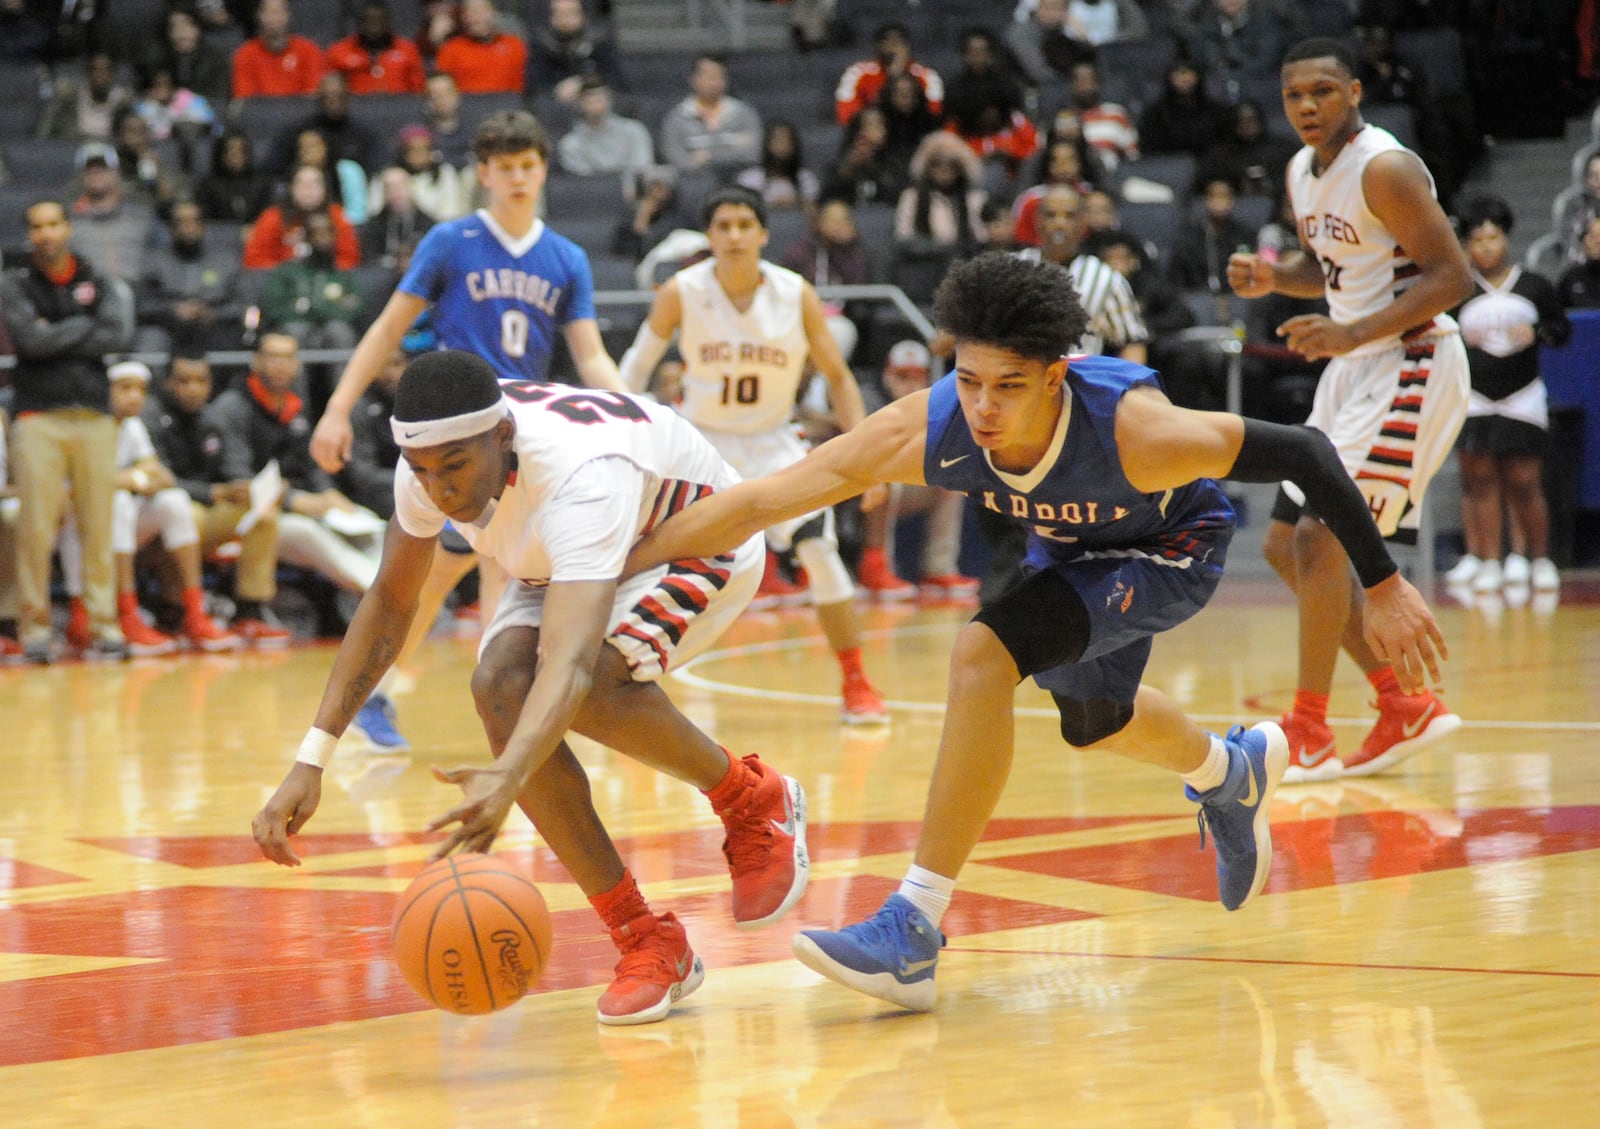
x: 560, y: 428
x: 741, y: 370
x: 1363, y: 265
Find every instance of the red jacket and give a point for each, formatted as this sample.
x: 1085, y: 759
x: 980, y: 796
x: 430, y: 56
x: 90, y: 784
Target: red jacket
x: 496, y: 67
x: 397, y: 69
x: 276, y: 239
x: 258, y: 72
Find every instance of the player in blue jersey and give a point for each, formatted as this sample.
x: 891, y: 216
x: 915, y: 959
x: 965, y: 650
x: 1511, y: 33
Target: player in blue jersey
x: 1127, y: 538
x: 503, y: 286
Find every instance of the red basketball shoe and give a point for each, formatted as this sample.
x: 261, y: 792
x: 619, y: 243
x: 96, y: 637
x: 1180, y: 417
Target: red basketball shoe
x: 205, y: 634
x: 1313, y: 752
x: 766, y: 845
x: 879, y: 580
x: 143, y: 639
x: 862, y: 703
x: 657, y: 969
x: 1407, y: 723
x: 79, y: 637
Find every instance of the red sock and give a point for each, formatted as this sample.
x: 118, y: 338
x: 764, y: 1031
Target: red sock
x: 730, y: 786
x: 1384, y: 681
x: 127, y: 604
x: 194, y: 604
x: 620, y: 904
x: 1311, y: 707
x: 850, y: 660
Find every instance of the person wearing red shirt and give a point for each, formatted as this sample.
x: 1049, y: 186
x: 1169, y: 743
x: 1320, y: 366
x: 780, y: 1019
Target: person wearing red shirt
x: 375, y: 60
x: 862, y: 82
x: 482, y: 58
x: 280, y: 234
x: 276, y: 63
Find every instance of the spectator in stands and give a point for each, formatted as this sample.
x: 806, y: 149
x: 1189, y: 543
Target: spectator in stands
x: 908, y: 369
x: 280, y: 234
x: 111, y: 230
x: 1043, y: 44
x: 24, y: 37
x: 1188, y: 374
x: 63, y: 316
x: 943, y: 203
x: 1246, y: 155
x: 173, y: 113
x: 1579, y: 285
x: 440, y: 189
x: 1000, y: 224
x: 1578, y: 215
x: 192, y: 451
x: 235, y: 190
x: 346, y: 179
x: 261, y: 421
x: 984, y: 104
x: 147, y: 175
x: 864, y: 172
x: 602, y: 142
x: 1183, y: 119
x: 1240, y: 40
x: 309, y: 297
x: 1101, y: 217
x: 568, y: 50
x: 86, y: 110
x: 781, y: 178
x: 482, y: 58
x: 188, y: 290
x: 276, y: 62
x: 367, y: 478
x: 1067, y: 125
x: 1511, y: 313
x: 1107, y: 127
x: 195, y: 63
x: 1063, y: 165
x: 440, y: 19
x: 1200, y: 254
x: 830, y: 254
x: 862, y: 82
x: 347, y: 138
x: 374, y: 60
x: 908, y: 117
x: 657, y: 212
x: 395, y: 221
x: 710, y: 129
x: 1116, y: 324
x: 451, y: 138
x: 147, y: 504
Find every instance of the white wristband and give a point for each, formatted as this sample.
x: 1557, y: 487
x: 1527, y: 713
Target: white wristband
x: 316, y: 748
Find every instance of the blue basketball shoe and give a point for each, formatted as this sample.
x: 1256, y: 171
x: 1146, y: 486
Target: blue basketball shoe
x: 892, y: 955
x: 376, y: 722
x: 1236, y: 810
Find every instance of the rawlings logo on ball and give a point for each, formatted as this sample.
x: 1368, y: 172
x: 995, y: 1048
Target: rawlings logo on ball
x: 512, y: 973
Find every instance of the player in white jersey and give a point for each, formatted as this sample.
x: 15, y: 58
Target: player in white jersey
x: 557, y: 485
x: 1381, y: 250
x: 746, y: 328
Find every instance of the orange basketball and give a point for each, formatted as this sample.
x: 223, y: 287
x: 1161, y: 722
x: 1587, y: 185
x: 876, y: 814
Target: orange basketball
x: 471, y: 934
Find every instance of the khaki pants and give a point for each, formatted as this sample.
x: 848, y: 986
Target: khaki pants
x: 51, y: 453
x: 8, y: 561
x: 256, y: 575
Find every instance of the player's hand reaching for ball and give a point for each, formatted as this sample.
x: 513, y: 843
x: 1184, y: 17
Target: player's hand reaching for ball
x: 489, y: 794
x: 331, y: 441
x: 1400, y: 628
x: 286, y: 813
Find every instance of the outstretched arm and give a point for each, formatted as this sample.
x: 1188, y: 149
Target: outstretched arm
x: 332, y: 439
x: 375, y: 636
x: 887, y: 447
x: 1163, y: 446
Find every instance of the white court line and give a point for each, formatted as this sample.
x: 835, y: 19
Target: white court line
x: 687, y: 676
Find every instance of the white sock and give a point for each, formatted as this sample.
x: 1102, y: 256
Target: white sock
x: 1213, y: 770
x: 929, y: 892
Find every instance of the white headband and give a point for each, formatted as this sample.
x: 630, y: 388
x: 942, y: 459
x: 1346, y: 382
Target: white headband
x: 432, y: 432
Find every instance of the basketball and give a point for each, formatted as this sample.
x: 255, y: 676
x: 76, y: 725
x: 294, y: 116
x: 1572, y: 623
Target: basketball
x: 471, y: 934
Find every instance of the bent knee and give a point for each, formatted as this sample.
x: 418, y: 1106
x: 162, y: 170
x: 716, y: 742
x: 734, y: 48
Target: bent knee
x: 1088, y: 722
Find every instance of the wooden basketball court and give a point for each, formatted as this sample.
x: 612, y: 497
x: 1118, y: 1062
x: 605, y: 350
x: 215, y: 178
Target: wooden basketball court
x: 1426, y: 954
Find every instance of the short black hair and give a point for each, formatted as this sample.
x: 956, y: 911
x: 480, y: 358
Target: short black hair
x: 1473, y: 213
x: 736, y: 194
x: 1030, y: 308
x: 1323, y: 47
x: 445, y: 383
x: 507, y: 132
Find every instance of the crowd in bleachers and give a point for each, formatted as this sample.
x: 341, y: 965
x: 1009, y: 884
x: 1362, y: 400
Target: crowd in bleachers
x: 259, y: 172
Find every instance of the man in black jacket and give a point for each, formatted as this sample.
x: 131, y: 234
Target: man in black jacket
x: 192, y: 451
x: 64, y: 317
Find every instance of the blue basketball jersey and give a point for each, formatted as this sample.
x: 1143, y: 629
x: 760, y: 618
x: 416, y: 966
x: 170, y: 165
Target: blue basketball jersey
x: 1077, y: 500
x: 504, y: 299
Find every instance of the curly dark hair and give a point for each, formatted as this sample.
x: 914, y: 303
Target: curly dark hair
x: 1476, y: 211
x: 1030, y: 308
